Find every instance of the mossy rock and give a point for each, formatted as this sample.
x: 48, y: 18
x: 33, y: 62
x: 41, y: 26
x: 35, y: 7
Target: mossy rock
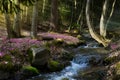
x: 65, y: 79
x: 116, y: 77
x: 55, y: 66
x: 117, y: 68
x: 6, y: 66
x: 6, y: 58
x: 97, y: 75
x: 30, y: 55
x: 71, y: 44
x: 79, y: 36
x: 67, y: 56
x: 117, y: 72
x: 29, y: 71
x: 109, y: 60
x: 59, y: 40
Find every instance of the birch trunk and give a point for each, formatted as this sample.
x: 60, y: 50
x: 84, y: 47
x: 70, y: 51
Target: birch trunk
x: 103, y: 19
x: 94, y: 35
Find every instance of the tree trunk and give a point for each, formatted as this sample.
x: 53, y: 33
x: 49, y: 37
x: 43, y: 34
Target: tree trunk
x: 94, y: 35
x: 43, y: 7
x: 8, y: 25
x: 81, y: 16
x: 16, y: 25
x: 111, y: 13
x: 103, y: 19
x: 34, y: 20
x: 54, y: 14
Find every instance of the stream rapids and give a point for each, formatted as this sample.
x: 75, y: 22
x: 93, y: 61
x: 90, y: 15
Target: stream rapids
x: 79, y: 63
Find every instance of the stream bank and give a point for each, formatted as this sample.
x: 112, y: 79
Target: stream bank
x: 87, y: 60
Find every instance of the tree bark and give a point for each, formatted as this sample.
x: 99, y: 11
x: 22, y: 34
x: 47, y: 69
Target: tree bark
x: 54, y: 14
x: 16, y: 25
x: 111, y: 13
x: 34, y: 20
x: 103, y: 19
x: 43, y: 7
x: 94, y: 35
x: 81, y: 16
x: 8, y: 25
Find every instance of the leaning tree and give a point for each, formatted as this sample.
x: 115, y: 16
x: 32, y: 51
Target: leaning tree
x: 101, y: 38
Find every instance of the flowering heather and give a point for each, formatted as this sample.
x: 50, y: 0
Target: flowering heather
x: 1, y: 54
x: 66, y: 38
x: 20, y: 44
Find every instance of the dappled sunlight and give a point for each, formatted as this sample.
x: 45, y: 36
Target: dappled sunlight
x: 59, y: 40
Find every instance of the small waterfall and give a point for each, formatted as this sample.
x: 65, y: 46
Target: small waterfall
x: 79, y: 63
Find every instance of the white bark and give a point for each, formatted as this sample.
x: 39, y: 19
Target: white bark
x: 103, y: 19
x: 94, y: 35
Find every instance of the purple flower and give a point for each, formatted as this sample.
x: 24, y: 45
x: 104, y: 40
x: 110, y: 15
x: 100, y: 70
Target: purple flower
x: 1, y: 54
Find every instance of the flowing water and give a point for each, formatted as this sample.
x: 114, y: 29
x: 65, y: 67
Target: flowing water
x: 79, y: 63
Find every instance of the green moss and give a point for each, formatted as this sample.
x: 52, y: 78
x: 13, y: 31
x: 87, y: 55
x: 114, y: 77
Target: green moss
x: 65, y: 79
x: 31, y: 70
x: 117, y: 72
x: 6, y: 66
x: 57, y: 42
x: 14, y: 52
x: 79, y: 36
x: 118, y: 66
x: 30, y: 55
x: 71, y: 44
x: 109, y: 60
x: 6, y: 58
x: 67, y: 56
x: 54, y: 65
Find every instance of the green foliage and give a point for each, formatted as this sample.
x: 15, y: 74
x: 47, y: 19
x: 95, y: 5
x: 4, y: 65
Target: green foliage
x: 27, y: 2
x: 8, y: 6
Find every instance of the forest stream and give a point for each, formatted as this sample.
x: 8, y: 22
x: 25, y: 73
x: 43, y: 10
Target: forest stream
x: 79, y: 64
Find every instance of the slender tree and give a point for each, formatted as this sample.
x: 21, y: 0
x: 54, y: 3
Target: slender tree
x: 104, y: 20
x: 54, y: 14
x: 96, y: 36
x: 8, y: 25
x: 17, y: 20
x: 5, y: 7
x: 43, y: 7
x: 34, y: 20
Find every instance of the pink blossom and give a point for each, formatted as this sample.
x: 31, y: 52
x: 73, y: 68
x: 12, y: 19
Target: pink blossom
x: 113, y: 46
